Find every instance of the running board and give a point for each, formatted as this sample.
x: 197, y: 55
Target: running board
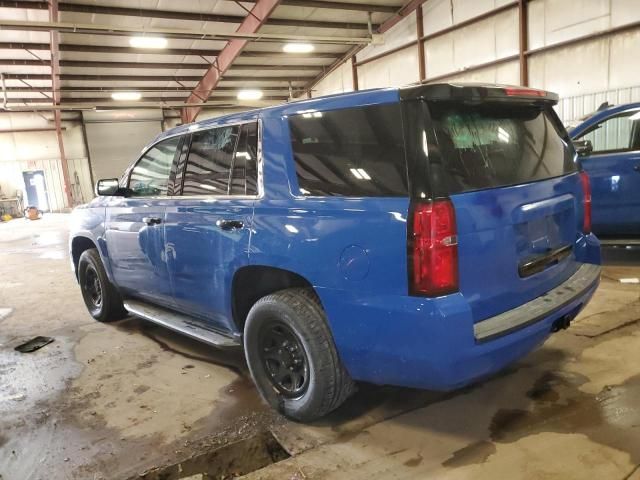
x: 180, y: 323
x: 619, y: 242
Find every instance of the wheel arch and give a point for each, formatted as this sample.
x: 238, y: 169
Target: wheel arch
x: 79, y: 245
x: 252, y: 282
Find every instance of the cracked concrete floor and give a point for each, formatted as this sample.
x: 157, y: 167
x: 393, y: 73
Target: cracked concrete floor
x: 113, y: 401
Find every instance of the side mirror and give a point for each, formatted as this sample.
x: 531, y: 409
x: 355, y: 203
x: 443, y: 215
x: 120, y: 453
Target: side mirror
x: 583, y: 147
x: 107, y: 187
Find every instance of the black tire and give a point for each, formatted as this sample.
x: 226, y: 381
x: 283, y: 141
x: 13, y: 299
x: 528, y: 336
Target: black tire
x: 295, y: 315
x: 100, y: 296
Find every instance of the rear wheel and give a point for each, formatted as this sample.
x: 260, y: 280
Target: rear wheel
x: 100, y: 296
x: 292, y: 356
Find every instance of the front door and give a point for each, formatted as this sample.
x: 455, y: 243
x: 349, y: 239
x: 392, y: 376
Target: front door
x: 614, y: 169
x: 134, y: 227
x: 36, y: 189
x: 208, y: 228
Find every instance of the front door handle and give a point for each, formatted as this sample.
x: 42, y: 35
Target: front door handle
x: 637, y: 168
x: 229, y: 224
x: 152, y: 220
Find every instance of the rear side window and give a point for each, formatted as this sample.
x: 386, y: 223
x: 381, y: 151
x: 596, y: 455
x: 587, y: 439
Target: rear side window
x: 494, y: 145
x: 354, y: 152
x: 209, y: 162
x: 244, y: 179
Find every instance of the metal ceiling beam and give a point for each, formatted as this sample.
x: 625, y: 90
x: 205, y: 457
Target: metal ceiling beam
x: 184, y: 33
x: 255, y: 19
x: 55, y: 84
x: 402, y: 12
x: 151, y: 78
x: 220, y: 88
x: 148, y: 65
x: 203, y: 17
x: 72, y: 47
x: 107, y: 100
x: 357, y: 7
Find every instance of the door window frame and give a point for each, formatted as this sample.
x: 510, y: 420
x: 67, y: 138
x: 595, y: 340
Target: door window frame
x: 259, y: 164
x: 125, y: 180
x: 636, y: 134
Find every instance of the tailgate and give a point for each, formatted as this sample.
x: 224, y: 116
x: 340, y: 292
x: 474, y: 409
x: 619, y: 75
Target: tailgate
x: 517, y: 243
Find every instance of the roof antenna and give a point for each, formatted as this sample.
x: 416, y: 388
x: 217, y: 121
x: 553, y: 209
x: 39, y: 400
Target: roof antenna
x: 290, y: 91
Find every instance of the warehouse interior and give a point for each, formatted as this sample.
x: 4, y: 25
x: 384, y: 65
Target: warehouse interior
x: 87, y: 84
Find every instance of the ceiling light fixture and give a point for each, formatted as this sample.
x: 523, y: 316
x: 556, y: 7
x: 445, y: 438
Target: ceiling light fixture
x: 298, y: 48
x: 130, y: 96
x: 249, y: 94
x: 148, y: 42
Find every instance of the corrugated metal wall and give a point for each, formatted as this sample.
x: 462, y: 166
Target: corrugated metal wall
x: 572, y: 109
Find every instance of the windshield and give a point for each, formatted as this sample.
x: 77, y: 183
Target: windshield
x: 496, y: 144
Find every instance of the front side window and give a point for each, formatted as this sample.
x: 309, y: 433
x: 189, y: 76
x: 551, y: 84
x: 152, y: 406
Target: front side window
x: 620, y: 133
x: 351, y: 152
x: 210, y: 160
x: 150, y: 176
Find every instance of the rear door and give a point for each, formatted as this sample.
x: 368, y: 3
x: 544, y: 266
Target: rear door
x: 208, y: 225
x: 614, y: 169
x: 134, y: 227
x: 509, y: 168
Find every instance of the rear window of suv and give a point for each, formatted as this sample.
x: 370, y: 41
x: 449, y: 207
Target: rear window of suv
x: 353, y: 152
x: 496, y: 144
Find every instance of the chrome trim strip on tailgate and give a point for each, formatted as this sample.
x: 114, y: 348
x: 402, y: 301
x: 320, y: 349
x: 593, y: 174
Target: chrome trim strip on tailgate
x: 539, y: 308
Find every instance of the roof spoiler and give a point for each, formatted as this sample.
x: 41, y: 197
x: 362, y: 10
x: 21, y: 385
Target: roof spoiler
x: 476, y: 93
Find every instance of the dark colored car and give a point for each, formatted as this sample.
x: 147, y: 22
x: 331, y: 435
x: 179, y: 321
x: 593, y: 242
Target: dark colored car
x: 426, y: 236
x: 609, y: 146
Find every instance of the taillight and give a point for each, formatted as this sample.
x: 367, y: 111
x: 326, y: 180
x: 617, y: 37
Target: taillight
x: 586, y: 188
x: 433, y: 249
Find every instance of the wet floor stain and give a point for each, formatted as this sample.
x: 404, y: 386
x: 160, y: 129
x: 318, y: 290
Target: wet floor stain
x: 611, y: 418
x: 414, y: 462
x: 477, y: 452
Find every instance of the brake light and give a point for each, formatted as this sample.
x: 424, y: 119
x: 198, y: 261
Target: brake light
x: 586, y: 188
x: 433, y: 249
x: 524, y: 92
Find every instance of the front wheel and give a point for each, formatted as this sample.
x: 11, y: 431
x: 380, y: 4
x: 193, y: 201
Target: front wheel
x: 292, y: 357
x: 100, y: 296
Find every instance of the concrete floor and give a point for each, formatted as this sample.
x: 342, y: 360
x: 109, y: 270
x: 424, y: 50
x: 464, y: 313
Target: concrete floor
x: 132, y: 400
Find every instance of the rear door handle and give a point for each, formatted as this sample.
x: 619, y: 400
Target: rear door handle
x: 152, y: 220
x: 637, y: 168
x: 228, y: 225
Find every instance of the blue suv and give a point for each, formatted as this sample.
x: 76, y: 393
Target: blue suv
x: 608, y: 143
x: 425, y: 236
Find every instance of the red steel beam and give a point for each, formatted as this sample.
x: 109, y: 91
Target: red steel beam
x: 251, y: 24
x: 55, y: 86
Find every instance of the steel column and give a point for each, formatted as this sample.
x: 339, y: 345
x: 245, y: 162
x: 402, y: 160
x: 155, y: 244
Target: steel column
x: 524, y: 42
x: 422, y: 69
x: 55, y: 86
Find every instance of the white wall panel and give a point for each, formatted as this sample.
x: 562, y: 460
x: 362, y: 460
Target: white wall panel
x: 400, y: 34
x: 624, y: 56
x: 487, y: 40
x: 397, y: 69
x: 26, y: 151
x: 338, y: 81
x: 506, y: 73
x: 563, y: 71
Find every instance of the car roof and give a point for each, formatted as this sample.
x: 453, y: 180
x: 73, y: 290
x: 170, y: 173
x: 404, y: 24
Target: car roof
x: 600, y: 115
x: 345, y: 100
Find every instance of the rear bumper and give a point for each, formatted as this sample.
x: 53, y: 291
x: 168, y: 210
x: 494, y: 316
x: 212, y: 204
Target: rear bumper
x: 434, y: 343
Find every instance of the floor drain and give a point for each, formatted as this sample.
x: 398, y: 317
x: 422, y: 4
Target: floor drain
x: 225, y: 462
